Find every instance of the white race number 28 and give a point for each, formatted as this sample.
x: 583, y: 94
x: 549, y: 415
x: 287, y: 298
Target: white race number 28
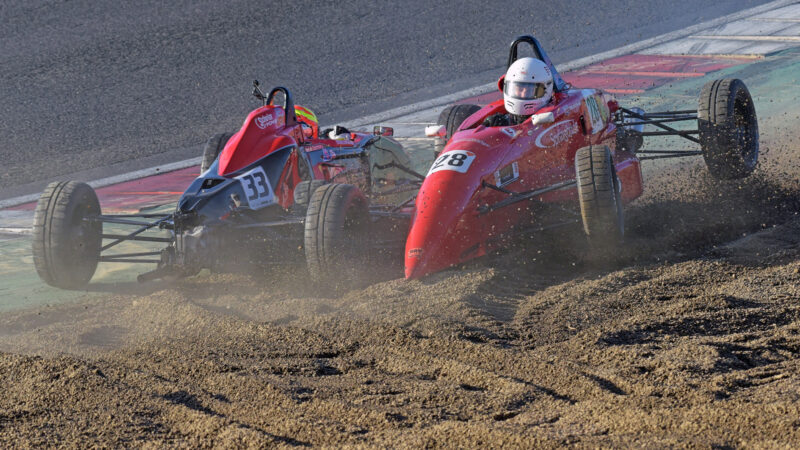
x: 594, y: 114
x: 257, y: 188
x: 455, y: 160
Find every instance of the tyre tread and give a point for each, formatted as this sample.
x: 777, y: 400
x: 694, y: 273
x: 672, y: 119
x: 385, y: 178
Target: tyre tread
x: 454, y: 115
x: 716, y: 117
x: 324, y: 238
x: 212, y: 149
x: 49, y: 244
x: 596, y: 193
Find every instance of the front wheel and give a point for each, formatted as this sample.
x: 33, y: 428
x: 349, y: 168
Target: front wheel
x: 337, y: 236
x: 454, y: 115
x: 600, y: 197
x: 66, y: 242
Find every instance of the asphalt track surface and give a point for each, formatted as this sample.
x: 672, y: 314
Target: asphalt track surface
x: 97, y: 87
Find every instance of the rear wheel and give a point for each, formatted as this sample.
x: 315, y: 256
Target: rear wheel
x: 212, y: 149
x: 600, y: 199
x: 454, y: 115
x: 726, y: 118
x: 66, y: 248
x: 336, y: 231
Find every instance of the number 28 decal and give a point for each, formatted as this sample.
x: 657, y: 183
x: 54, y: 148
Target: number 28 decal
x: 456, y: 160
x: 257, y: 188
x: 595, y: 116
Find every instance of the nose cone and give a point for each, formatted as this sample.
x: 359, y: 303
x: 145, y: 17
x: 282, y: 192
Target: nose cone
x: 415, y: 267
x: 422, y: 255
x: 444, y: 226
x: 427, y: 248
x: 447, y: 229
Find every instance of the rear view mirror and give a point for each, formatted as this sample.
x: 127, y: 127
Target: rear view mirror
x: 436, y: 131
x: 258, y: 93
x: 382, y: 131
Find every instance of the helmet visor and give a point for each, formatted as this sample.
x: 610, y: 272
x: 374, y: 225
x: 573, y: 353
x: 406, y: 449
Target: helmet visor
x: 524, y: 91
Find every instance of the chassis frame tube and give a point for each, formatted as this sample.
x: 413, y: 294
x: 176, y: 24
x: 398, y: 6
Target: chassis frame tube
x: 645, y: 119
x: 133, y: 236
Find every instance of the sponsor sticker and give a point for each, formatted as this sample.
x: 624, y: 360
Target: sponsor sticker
x: 557, y: 134
x: 265, y: 121
x: 328, y: 154
x: 506, y: 175
x: 415, y: 253
x: 257, y: 188
x: 314, y: 148
x: 455, y: 160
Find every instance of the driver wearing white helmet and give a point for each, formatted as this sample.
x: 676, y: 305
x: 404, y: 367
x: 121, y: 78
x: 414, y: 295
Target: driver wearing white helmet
x: 527, y: 87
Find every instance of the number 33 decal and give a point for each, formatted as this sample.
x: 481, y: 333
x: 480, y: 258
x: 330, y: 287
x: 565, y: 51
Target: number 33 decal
x: 455, y: 160
x: 257, y: 188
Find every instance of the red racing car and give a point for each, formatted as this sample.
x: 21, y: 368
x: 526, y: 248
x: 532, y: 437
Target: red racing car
x: 547, y: 155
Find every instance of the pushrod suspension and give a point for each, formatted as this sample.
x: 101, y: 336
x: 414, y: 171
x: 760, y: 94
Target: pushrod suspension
x: 130, y: 257
x: 676, y: 155
x: 518, y: 197
x: 134, y: 236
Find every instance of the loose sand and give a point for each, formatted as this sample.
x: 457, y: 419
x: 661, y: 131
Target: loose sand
x: 689, y: 337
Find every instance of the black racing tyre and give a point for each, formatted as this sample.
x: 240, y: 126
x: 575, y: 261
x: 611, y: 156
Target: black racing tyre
x: 212, y: 149
x: 599, y: 196
x: 305, y: 189
x: 66, y: 248
x: 454, y: 115
x: 336, y: 230
x: 726, y: 118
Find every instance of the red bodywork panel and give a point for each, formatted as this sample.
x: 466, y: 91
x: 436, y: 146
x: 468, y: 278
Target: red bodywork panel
x: 262, y: 133
x: 448, y: 228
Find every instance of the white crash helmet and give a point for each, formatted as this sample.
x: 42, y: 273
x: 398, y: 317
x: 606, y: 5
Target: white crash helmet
x: 528, y: 85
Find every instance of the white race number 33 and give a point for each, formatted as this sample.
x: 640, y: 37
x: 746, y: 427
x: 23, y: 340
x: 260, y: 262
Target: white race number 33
x: 257, y: 188
x: 456, y: 160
